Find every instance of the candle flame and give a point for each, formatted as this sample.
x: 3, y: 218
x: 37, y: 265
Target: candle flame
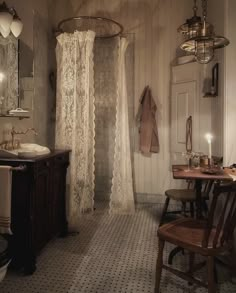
x: 209, y: 137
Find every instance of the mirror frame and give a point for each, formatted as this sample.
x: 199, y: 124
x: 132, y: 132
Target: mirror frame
x: 11, y: 100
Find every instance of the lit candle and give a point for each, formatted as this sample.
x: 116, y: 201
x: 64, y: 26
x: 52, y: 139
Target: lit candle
x: 209, y: 138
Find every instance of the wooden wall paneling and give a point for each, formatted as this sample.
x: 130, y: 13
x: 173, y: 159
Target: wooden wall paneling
x: 144, y: 68
x: 162, y: 82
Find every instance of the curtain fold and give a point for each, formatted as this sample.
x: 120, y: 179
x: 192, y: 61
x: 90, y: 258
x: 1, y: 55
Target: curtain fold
x: 75, y: 127
x: 122, y: 196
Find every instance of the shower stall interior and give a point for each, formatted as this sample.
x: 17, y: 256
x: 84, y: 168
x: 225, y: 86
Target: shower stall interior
x: 95, y: 113
x: 105, y: 110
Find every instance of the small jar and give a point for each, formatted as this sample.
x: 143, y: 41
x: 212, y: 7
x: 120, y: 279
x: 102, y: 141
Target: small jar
x: 196, y: 161
x: 204, y: 161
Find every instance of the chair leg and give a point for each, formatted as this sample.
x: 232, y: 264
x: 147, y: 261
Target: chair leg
x: 191, y: 264
x: 164, y: 211
x: 205, y: 207
x: 215, y: 274
x: 210, y: 275
x: 184, y: 208
x: 161, y: 244
x: 192, y: 209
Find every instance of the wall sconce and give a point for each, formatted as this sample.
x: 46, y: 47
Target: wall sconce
x: 9, y: 21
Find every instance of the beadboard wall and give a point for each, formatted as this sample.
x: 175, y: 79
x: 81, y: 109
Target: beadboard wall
x: 230, y: 85
x: 154, y: 26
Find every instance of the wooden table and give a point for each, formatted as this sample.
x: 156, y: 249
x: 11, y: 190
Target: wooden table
x: 182, y: 172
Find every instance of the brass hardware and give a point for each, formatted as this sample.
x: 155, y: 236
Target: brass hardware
x: 14, y: 132
x: 103, y: 27
x: 199, y: 36
x: 19, y: 168
x: 7, y: 144
x: 3, y: 144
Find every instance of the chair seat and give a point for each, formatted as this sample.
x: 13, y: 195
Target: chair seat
x: 211, y: 237
x: 183, y: 194
x: 188, y: 233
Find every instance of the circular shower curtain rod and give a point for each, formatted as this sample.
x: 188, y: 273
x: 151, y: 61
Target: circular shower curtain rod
x: 103, y: 27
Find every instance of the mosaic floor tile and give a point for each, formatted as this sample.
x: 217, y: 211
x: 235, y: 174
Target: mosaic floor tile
x: 111, y: 254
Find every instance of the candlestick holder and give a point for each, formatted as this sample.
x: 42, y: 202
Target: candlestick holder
x: 209, y: 163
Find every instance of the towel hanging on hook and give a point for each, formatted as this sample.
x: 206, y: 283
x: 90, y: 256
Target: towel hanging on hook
x: 149, y: 141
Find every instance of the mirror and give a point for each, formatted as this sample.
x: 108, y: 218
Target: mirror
x: 9, y: 77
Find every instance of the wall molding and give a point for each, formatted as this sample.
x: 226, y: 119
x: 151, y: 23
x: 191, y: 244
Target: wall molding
x: 149, y: 198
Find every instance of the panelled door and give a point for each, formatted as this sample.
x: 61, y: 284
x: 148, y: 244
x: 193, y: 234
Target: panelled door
x: 183, y: 105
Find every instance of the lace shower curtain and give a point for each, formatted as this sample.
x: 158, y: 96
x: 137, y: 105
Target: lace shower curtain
x: 122, y: 197
x: 105, y: 83
x: 75, y: 127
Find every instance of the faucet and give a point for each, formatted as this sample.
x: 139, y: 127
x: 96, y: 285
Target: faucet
x: 14, y: 132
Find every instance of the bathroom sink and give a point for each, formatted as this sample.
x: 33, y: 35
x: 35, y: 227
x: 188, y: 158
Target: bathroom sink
x: 8, y: 154
x: 26, y: 150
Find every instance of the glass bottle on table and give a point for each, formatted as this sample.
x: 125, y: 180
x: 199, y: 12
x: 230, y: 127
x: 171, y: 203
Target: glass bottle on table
x: 188, y: 156
x: 196, y: 159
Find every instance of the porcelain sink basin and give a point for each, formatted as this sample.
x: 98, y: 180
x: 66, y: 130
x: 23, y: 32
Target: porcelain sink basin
x: 26, y: 150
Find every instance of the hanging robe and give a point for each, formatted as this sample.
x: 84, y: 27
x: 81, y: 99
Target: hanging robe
x: 148, y: 142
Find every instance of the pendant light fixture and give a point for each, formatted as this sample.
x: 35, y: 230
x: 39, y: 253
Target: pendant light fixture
x: 199, y: 35
x: 9, y: 21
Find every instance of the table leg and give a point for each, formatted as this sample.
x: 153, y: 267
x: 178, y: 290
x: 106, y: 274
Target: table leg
x: 199, y: 198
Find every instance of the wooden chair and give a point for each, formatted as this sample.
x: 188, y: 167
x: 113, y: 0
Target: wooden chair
x: 209, y: 238
x: 185, y: 196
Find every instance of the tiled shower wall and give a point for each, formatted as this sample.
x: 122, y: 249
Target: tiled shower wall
x: 105, y: 85
x: 105, y: 111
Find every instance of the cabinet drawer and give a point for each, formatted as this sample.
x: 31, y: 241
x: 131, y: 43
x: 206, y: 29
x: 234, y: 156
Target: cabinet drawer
x: 43, y: 165
x: 62, y: 159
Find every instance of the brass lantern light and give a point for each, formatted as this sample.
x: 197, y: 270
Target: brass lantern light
x: 200, y: 38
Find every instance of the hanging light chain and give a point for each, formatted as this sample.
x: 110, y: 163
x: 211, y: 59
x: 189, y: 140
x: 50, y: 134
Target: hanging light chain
x: 195, y: 7
x: 204, y: 9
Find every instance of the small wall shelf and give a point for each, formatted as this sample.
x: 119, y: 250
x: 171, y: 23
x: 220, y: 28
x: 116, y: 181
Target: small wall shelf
x: 14, y: 116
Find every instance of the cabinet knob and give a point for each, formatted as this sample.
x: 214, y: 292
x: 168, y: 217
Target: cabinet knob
x: 47, y: 164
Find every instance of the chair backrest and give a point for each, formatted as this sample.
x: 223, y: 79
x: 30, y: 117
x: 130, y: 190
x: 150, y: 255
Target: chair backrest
x: 206, y: 186
x: 221, y: 220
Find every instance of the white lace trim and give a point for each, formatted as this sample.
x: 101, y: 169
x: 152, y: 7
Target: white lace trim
x: 75, y: 128
x: 122, y: 196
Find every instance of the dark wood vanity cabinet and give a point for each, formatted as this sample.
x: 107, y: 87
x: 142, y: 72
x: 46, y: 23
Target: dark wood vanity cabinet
x: 38, y: 205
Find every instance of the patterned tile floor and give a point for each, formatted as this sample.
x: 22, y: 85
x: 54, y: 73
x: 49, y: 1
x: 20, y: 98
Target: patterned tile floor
x: 112, y: 254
